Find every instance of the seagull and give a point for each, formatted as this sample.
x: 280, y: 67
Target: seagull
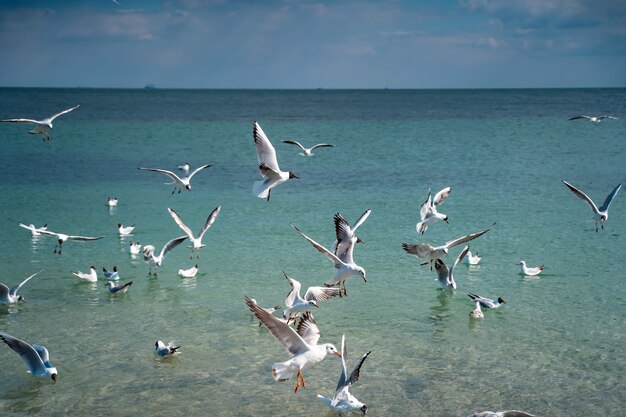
x: 300, y: 343
x: 593, y: 119
x: 166, y: 350
x: 476, y: 313
x: 511, y: 413
x: 344, y: 265
x: 269, y: 310
x: 472, y: 259
x: 425, y: 250
x: 268, y: 165
x: 34, y: 230
x: 445, y: 276
x: 118, y: 289
x: 180, y: 182
x: 62, y: 237
x: 43, y: 126
x: 530, y: 271
x: 196, y: 242
x: 111, y: 275
x: 112, y: 202
x: 348, y: 232
x: 487, y: 302
x: 343, y: 401
x: 92, y: 276
x: 8, y: 296
x: 125, y: 230
x: 151, y: 259
x: 428, y: 212
x: 36, y: 357
x: 188, y: 273
x: 599, y: 214
x: 308, y: 151
x: 294, y: 302
x: 135, y: 247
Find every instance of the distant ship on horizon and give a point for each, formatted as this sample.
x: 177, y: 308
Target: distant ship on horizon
x: 150, y: 87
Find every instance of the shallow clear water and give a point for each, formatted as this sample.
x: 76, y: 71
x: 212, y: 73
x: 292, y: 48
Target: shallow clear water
x: 555, y: 348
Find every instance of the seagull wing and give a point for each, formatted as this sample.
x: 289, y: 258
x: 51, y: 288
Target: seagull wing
x: 460, y: 258
x: 441, y: 196
x: 171, y: 245
x: 322, y: 293
x: 209, y: 221
x: 84, y: 238
x: 421, y: 250
x: 295, y: 290
x: 463, y: 239
x: 321, y: 249
x: 264, y: 149
x: 164, y: 171
x: 426, y: 207
x: 322, y: 145
x: 610, y: 197
x: 195, y: 171
x: 15, y: 289
x: 362, y: 219
x: 28, y: 354
x: 307, y: 329
x: 345, y: 237
x: 582, y: 116
x: 45, y: 232
x: 51, y: 118
x: 22, y: 121
x: 43, y: 354
x: 295, y: 142
x: 4, y: 291
x: 180, y: 223
x: 356, y: 371
x: 344, y: 369
x: 442, y: 270
x: 582, y: 196
x: 281, y: 331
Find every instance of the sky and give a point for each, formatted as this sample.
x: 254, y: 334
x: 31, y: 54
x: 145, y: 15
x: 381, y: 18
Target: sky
x: 313, y: 43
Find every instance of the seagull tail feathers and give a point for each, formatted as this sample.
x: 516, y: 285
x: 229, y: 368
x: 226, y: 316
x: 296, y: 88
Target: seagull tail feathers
x: 324, y: 399
x: 260, y: 189
x: 283, y: 371
x: 421, y: 227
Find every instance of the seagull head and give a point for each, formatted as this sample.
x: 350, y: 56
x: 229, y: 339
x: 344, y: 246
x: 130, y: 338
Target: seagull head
x: 188, y: 187
x: 109, y: 284
x: 501, y: 300
x: 21, y: 298
x: 332, y: 350
x: 364, y: 409
x: 54, y: 376
x: 603, y: 218
x: 445, y: 219
x: 292, y: 175
x: 313, y: 303
x: 362, y: 273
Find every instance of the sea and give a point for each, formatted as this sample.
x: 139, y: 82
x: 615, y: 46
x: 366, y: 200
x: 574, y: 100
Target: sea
x: 555, y: 349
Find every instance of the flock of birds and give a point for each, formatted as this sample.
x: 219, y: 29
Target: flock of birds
x: 294, y: 326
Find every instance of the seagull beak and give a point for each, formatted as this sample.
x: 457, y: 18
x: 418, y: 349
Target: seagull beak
x: 338, y: 354
x: 359, y: 240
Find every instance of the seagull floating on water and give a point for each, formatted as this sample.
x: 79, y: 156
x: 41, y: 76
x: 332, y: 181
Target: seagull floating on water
x: 111, y: 275
x: 61, y: 237
x: 425, y: 250
x: 343, y: 401
x: 156, y: 260
x: 118, y: 289
x: 599, y: 214
x: 268, y: 165
x: 593, y: 119
x: 196, y: 242
x: 42, y: 126
x: 34, y: 231
x: 8, y: 296
x: 487, y: 302
x: 164, y: 350
x: 472, y: 259
x: 300, y: 343
x: 476, y: 313
x: 530, y: 271
x: 348, y: 233
x: 91, y: 276
x: 428, y: 212
x: 36, y: 357
x: 188, y: 273
x: 134, y: 247
x: 295, y: 303
x: 125, y: 230
x: 112, y: 202
x: 180, y: 182
x: 445, y: 277
x: 308, y: 151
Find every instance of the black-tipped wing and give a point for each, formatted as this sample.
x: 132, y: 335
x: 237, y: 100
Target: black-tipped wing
x: 28, y: 354
x: 441, y: 196
x: 582, y: 196
x: 195, y: 171
x: 307, y: 328
x: 179, y: 221
x: 21, y: 121
x: 361, y: 219
x: 163, y: 171
x: 51, y: 118
x: 172, y: 244
x: 322, y: 145
x: 83, y: 238
x: 16, y: 288
x: 321, y: 249
x: 295, y: 142
x: 295, y: 290
x: 264, y: 148
x: 464, y: 239
x: 460, y: 257
x: 421, y: 250
x: 210, y: 220
x: 610, y: 197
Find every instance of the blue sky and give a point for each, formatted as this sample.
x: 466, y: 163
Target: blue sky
x: 311, y: 44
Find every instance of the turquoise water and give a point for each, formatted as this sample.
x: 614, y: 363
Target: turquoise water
x: 555, y: 349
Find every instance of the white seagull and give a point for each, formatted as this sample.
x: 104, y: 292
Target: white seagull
x: 62, y: 238
x: 476, y: 313
x: 599, y: 214
x: 593, y: 119
x: 111, y: 275
x: 428, y: 212
x: 268, y: 165
x: 528, y: 270
x: 36, y: 357
x: 300, y: 343
x: 8, y: 296
x: 91, y: 276
x: 112, y: 202
x: 125, y: 230
x: 308, y: 151
x: 156, y: 260
x: 42, y: 126
x: 188, y: 273
x: 164, y: 350
x: 344, y: 265
x: 180, y: 182
x: 445, y: 276
x: 510, y: 413
x: 118, y: 289
x: 295, y: 303
x: 472, y: 259
x: 343, y: 401
x: 196, y: 242
x: 348, y: 234
x: 34, y: 231
x: 134, y: 247
x: 487, y: 302
x: 425, y: 250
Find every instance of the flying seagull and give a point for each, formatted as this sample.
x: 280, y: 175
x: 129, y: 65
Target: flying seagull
x: 428, y: 212
x: 445, y: 276
x: 62, y: 238
x: 181, y: 183
x: 599, y: 214
x: 268, y: 165
x: 196, y: 242
x: 156, y: 260
x: 8, y: 296
x: 42, y: 126
x: 348, y: 233
x: 295, y: 303
x: 36, y: 357
x: 593, y: 119
x: 308, y: 151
